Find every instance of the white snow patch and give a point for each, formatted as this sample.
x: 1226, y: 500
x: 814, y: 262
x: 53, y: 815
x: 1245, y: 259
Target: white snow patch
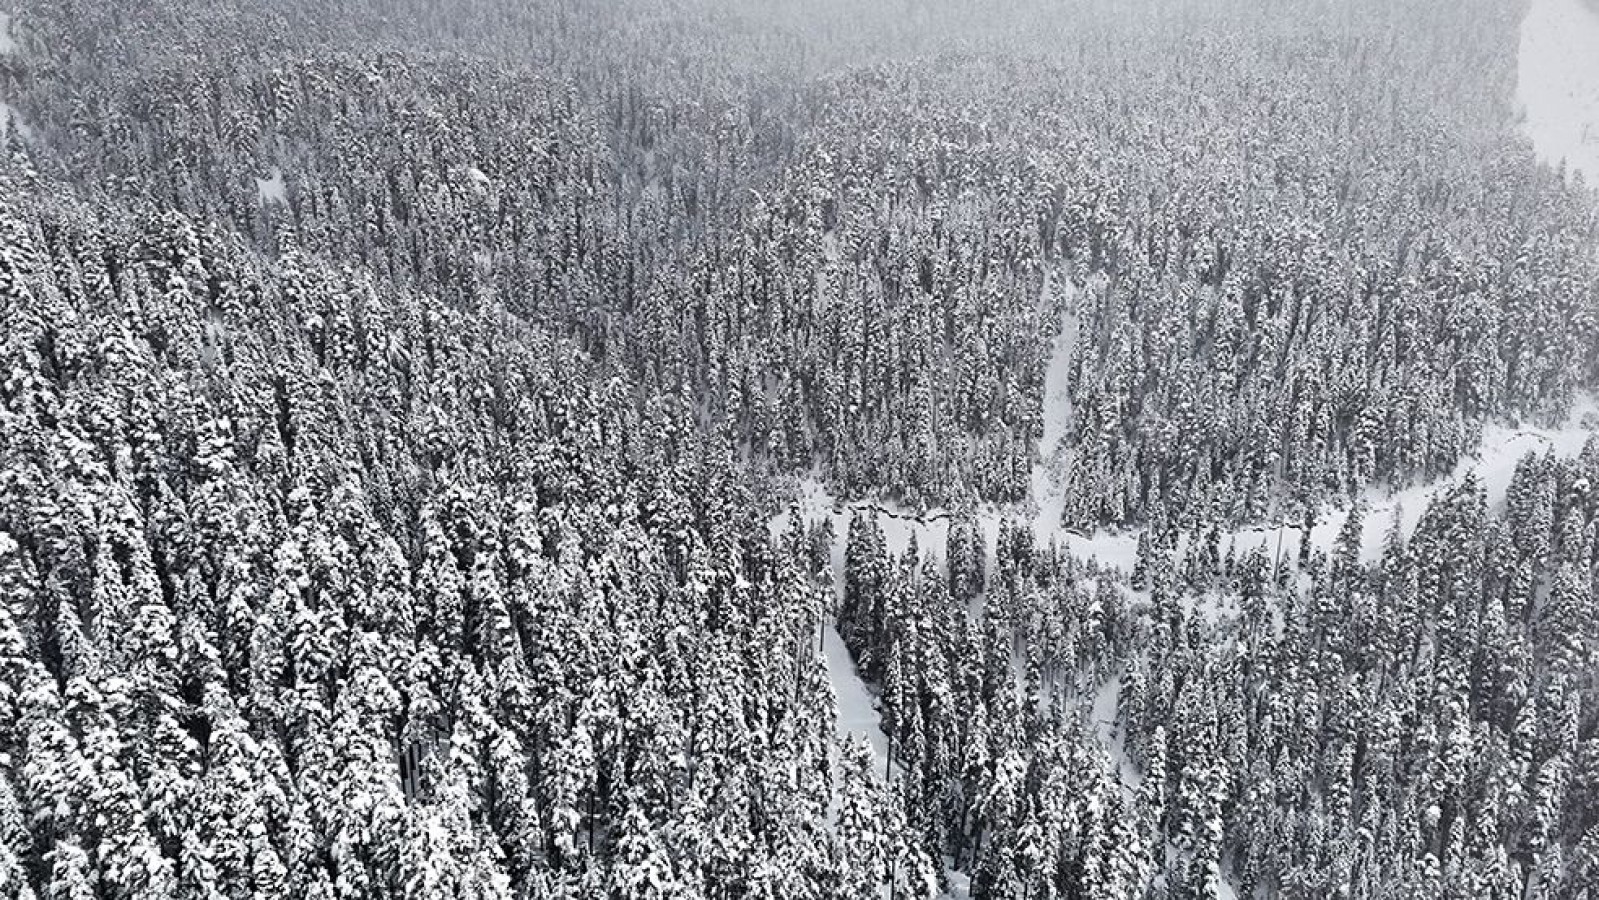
x: 857, y: 709
x: 1557, y: 82
x: 8, y: 44
x: 960, y: 884
x: 270, y: 189
x: 1117, y: 550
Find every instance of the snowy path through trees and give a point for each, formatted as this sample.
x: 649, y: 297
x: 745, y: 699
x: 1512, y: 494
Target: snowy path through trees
x: 1053, y: 457
x: 857, y: 712
x: 857, y: 709
x: 930, y: 529
x: 1557, y: 84
x: 1495, y: 461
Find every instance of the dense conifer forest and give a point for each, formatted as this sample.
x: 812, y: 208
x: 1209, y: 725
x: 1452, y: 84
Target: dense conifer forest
x: 647, y: 449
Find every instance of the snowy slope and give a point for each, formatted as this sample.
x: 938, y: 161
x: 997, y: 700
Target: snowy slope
x: 8, y: 116
x: 1107, y: 703
x: 857, y: 710
x: 1557, y: 83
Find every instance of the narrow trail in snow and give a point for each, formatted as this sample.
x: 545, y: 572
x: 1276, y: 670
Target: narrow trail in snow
x: 1493, y: 464
x: 1048, y: 492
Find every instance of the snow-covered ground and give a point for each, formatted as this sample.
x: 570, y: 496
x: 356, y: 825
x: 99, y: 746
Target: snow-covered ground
x: 857, y: 709
x: 8, y: 116
x: 270, y: 188
x: 1107, y: 703
x: 1057, y: 412
x: 1557, y: 83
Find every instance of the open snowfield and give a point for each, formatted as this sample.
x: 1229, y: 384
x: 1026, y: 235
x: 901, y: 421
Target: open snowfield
x: 1057, y: 413
x: 1558, y: 84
